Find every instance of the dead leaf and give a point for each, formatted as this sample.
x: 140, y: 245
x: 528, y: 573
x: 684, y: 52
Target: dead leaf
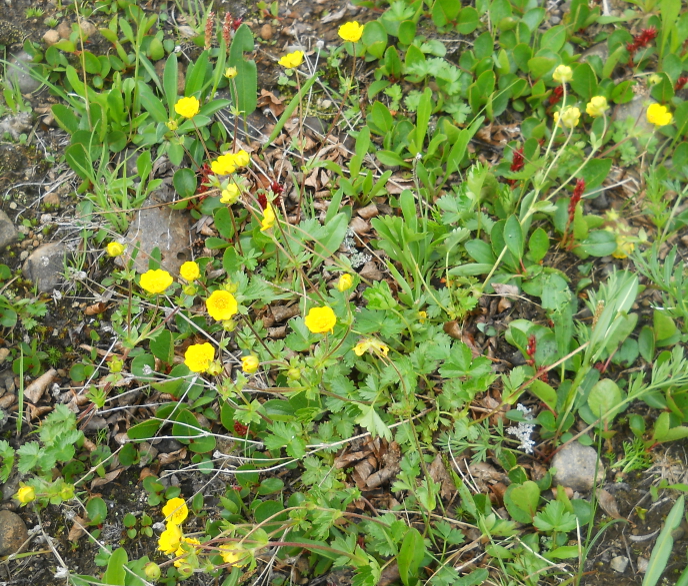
x: 109, y: 477
x: 34, y: 391
x: 269, y: 100
x: 96, y: 308
x: 439, y: 474
x: 77, y: 531
x: 389, y: 575
x: 505, y: 290
x: 171, y: 457
x: 608, y: 503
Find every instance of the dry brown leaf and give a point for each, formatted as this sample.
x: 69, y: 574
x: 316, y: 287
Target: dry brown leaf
x: 171, y: 457
x: 505, y: 290
x: 439, y: 474
x: 34, y: 391
x: 109, y: 477
x: 389, y: 575
x: 96, y: 308
x: 608, y: 503
x: 269, y: 100
x: 77, y: 531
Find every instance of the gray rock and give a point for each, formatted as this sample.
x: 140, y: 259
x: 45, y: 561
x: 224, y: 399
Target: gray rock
x: 636, y: 110
x: 575, y: 464
x: 619, y: 564
x: 8, y: 233
x: 9, y: 33
x: 160, y: 227
x: 45, y: 266
x: 13, y: 532
x: 18, y: 73
x: 600, y: 50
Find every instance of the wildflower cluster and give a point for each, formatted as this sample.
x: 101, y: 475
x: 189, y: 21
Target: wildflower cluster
x: 524, y: 430
x: 230, y: 162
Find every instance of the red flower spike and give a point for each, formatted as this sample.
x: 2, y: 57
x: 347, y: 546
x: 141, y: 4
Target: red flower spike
x: 557, y: 92
x: 517, y: 161
x: 262, y: 200
x: 680, y: 83
x: 237, y: 23
x: 227, y: 27
x: 240, y: 429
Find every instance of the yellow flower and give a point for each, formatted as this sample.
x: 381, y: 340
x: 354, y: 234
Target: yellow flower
x: 115, y: 248
x: 242, y: 158
x: 659, y: 115
x: 187, y: 107
x: 268, y: 220
x: 224, y: 165
x: 249, y: 364
x: 351, y: 31
x: 156, y: 281
x: 569, y: 117
x: 654, y: 79
x: 562, y: 74
x: 172, y: 125
x: 597, y: 106
x: 231, y: 72
x: 25, y: 494
x: 198, y: 358
x: 624, y: 247
x: 345, y: 282
x: 175, y: 511
x: 320, y: 320
x: 370, y: 345
x: 190, y: 271
x: 230, y: 195
x: 232, y: 554
x: 221, y: 305
x: 185, y: 549
x: 422, y: 316
x: 292, y: 60
x: 170, y: 538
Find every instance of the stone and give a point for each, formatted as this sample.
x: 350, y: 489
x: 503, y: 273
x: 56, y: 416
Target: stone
x: 8, y: 233
x: 161, y: 227
x: 9, y: 33
x: 13, y: 532
x: 266, y: 32
x: 18, y: 73
x: 575, y: 465
x: 599, y: 50
x: 619, y: 564
x: 88, y: 29
x: 642, y: 564
x: 636, y: 110
x: 45, y: 265
x: 51, y: 37
x: 64, y: 29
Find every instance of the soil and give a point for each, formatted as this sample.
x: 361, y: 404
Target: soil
x: 32, y: 185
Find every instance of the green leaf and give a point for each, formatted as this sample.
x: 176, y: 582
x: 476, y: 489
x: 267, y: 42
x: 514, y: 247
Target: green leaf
x: 522, y: 500
x: 144, y: 430
x: 584, y: 82
x: 370, y: 419
x: 598, y: 243
x: 538, y: 244
x: 185, y: 182
x: 664, y: 544
x: 513, y: 237
x: 664, y: 327
x: 596, y: 171
x: 545, y: 393
x: 97, y: 510
x: 246, y: 81
x: 169, y: 80
x: 152, y: 103
x: 115, y: 575
x: 410, y: 556
x: 604, y: 397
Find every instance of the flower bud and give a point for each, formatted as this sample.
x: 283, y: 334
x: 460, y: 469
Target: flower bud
x: 152, y: 571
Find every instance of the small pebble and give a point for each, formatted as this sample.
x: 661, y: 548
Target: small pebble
x: 266, y: 32
x: 24, y: 255
x: 64, y: 29
x: 51, y: 37
x: 619, y: 564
